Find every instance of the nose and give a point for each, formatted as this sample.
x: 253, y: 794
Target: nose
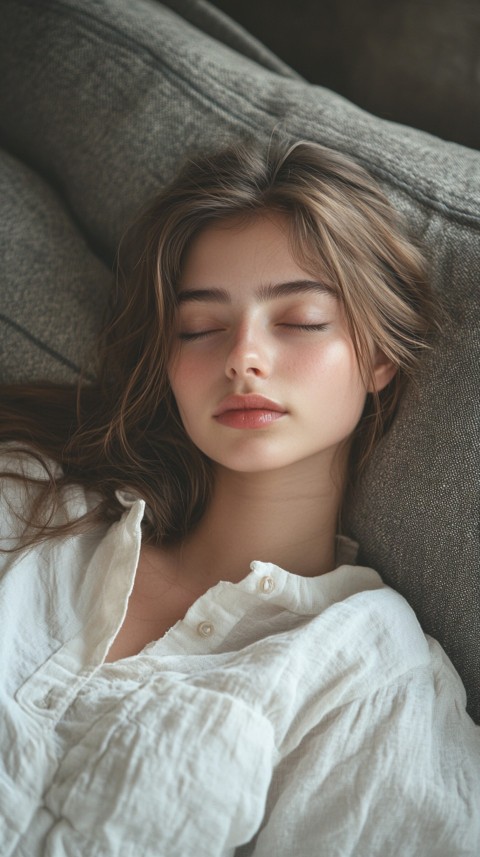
x: 249, y: 355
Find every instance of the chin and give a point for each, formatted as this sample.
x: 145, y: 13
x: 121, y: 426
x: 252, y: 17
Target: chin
x: 255, y: 464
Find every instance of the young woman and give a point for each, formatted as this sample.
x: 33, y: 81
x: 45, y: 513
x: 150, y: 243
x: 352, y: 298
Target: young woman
x: 192, y: 663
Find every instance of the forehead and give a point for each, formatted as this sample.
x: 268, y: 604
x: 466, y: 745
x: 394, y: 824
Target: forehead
x: 243, y: 253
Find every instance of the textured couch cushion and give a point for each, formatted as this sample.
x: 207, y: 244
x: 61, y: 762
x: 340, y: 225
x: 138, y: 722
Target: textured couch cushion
x: 53, y: 288
x: 104, y: 97
x: 411, y: 61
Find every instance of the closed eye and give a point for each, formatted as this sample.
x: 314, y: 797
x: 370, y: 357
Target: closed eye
x: 199, y: 334
x: 188, y: 336
x: 306, y: 326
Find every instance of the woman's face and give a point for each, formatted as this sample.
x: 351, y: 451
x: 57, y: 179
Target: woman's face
x: 263, y: 371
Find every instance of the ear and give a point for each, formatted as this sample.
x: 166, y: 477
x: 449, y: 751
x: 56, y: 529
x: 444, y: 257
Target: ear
x: 383, y: 372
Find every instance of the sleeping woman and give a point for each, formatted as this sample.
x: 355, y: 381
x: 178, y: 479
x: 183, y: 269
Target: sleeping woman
x: 193, y: 665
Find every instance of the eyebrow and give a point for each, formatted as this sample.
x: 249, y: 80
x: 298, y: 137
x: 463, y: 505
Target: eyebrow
x: 262, y: 294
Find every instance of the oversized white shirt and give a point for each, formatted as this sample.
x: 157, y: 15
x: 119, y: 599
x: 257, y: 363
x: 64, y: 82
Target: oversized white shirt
x: 282, y: 717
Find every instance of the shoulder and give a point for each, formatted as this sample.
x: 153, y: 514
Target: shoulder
x: 25, y: 474
x: 365, y: 667
x: 383, y: 749
x: 366, y: 650
x: 22, y: 475
x: 371, y: 634
x: 21, y: 460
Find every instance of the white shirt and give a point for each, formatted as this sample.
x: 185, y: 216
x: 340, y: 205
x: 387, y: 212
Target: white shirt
x: 282, y: 716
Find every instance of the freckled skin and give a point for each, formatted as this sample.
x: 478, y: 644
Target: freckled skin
x: 274, y: 348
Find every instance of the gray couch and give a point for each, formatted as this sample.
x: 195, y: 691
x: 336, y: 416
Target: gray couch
x: 100, y: 99
x: 411, y: 61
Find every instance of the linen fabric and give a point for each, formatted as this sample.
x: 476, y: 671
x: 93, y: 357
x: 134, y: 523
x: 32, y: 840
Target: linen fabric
x: 283, y: 715
x: 104, y: 98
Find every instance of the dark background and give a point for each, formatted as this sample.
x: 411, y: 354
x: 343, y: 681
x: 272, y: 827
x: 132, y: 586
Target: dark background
x: 411, y: 61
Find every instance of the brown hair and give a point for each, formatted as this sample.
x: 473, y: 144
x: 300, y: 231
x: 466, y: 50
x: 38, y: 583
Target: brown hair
x: 124, y: 430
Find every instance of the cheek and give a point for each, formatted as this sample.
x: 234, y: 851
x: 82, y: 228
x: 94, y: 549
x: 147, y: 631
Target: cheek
x: 335, y: 376
x: 335, y: 363
x: 186, y: 380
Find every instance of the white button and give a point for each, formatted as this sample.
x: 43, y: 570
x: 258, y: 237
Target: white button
x: 205, y: 629
x: 267, y: 585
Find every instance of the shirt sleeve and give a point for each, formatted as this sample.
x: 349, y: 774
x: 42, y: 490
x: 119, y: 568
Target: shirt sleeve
x: 397, y: 772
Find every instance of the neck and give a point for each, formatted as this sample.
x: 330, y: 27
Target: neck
x: 287, y: 517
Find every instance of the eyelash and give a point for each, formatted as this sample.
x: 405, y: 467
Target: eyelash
x: 204, y: 333
x: 201, y: 335
x: 308, y: 326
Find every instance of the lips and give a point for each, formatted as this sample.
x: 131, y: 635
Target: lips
x: 250, y: 402
x: 248, y: 412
